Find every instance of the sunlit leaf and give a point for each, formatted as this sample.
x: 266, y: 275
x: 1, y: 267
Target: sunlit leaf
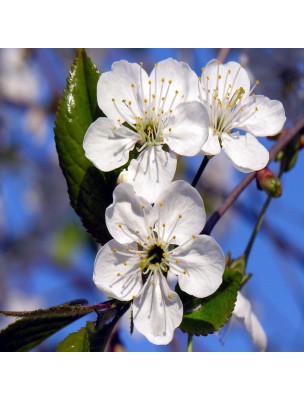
x: 90, y: 190
x: 36, y: 326
x: 207, y: 315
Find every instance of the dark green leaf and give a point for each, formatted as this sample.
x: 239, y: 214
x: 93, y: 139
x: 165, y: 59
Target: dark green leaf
x: 36, y: 326
x: 90, y: 190
x: 77, y: 341
x: 205, y: 316
x: 105, y: 324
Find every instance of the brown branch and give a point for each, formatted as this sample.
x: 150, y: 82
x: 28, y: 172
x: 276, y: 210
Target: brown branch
x: 222, y: 55
x: 280, y: 144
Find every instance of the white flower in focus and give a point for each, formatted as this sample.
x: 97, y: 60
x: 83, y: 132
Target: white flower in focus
x: 148, y: 243
x: 244, y: 312
x: 161, y: 118
x: 225, y: 91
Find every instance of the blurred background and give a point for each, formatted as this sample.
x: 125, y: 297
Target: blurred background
x: 46, y: 256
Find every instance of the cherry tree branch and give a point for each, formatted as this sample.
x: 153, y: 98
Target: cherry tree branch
x: 280, y: 144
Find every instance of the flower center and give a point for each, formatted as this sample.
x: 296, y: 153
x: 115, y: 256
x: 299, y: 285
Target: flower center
x: 150, y: 110
x: 156, y: 254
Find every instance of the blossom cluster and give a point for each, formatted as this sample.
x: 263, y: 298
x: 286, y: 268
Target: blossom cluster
x: 155, y: 222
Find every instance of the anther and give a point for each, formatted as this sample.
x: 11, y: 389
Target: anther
x: 193, y: 236
x: 132, y: 85
x: 219, y: 76
x: 184, y: 272
x: 125, y: 264
x: 119, y: 226
x: 113, y: 100
x: 149, y: 82
x: 180, y: 216
x: 163, y: 80
x: 128, y: 248
x: 169, y: 296
x: 114, y: 250
x: 133, y: 297
x: 118, y: 274
x: 161, y: 204
x: 257, y: 82
x: 163, y: 225
x: 169, y: 81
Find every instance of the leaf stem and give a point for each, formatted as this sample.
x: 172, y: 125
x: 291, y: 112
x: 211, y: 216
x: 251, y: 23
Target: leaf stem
x: 190, y: 343
x: 257, y: 228
x: 200, y: 171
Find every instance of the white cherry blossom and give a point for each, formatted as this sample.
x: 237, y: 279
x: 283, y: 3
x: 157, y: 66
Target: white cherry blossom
x: 243, y: 311
x: 150, y: 242
x: 225, y: 90
x: 155, y: 114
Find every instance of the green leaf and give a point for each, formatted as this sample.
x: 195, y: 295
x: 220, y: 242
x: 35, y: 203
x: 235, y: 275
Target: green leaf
x: 105, y: 324
x: 207, y: 315
x: 77, y: 341
x: 90, y: 190
x: 36, y: 326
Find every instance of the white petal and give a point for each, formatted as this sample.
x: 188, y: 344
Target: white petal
x: 268, y: 120
x: 126, y: 216
x: 212, y: 145
x: 189, y: 126
x: 243, y: 311
x: 116, y: 84
x: 152, y: 171
x: 157, y: 311
x: 106, y: 147
x: 113, y: 277
x: 237, y: 78
x: 183, y: 78
x: 245, y: 152
x: 179, y: 199
x: 200, y: 266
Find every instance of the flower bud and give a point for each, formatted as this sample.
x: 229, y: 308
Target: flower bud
x: 269, y: 182
x: 122, y: 177
x: 301, y: 142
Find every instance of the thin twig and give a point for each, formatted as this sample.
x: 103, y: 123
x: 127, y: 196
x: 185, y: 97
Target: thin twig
x: 222, y: 55
x: 256, y: 228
